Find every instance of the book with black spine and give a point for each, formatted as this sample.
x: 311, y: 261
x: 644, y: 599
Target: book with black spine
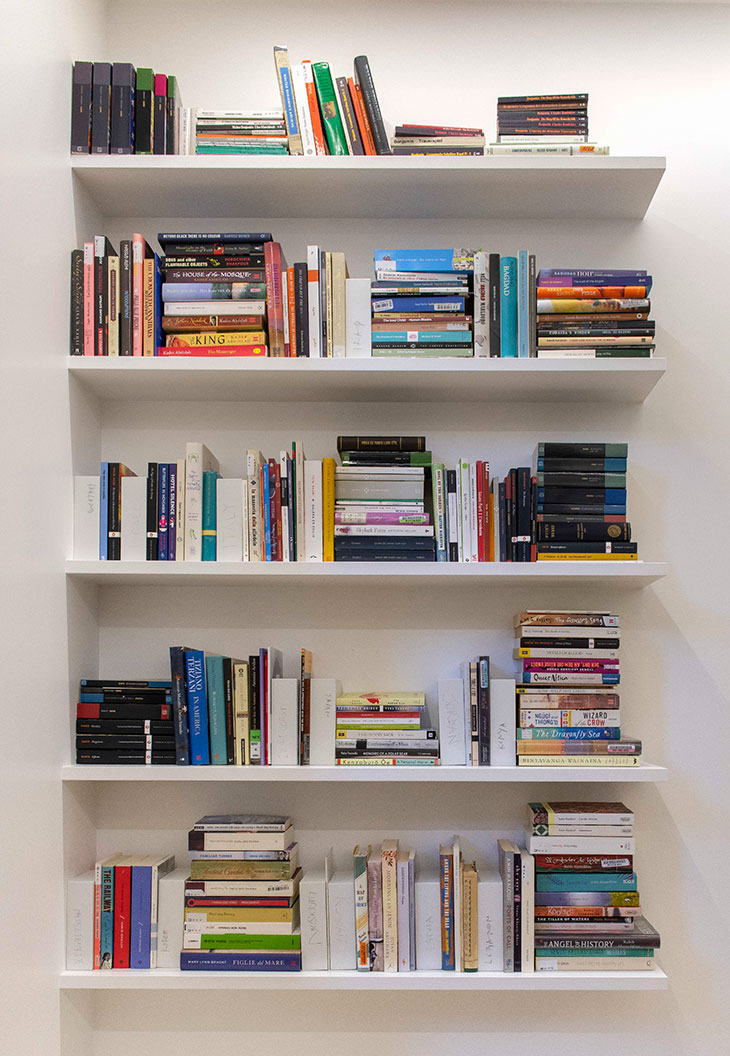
x: 364, y: 78
x: 122, y: 108
x: 101, y: 108
x: 81, y: 106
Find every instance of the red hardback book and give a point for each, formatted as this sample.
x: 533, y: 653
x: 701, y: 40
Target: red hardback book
x: 362, y: 118
x: 275, y: 263
x: 122, y: 911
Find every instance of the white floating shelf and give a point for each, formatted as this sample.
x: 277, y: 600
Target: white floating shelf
x: 371, y: 380
x: 370, y: 774
x: 164, y: 979
x: 629, y: 575
x: 551, y: 188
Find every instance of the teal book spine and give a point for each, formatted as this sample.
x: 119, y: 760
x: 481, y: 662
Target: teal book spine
x: 523, y: 305
x: 208, y: 549
x: 216, y: 710
x: 586, y: 882
x: 508, y: 307
x: 106, y: 947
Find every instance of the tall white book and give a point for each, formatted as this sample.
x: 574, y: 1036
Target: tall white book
x: 170, y: 917
x: 406, y: 910
x: 198, y: 460
x: 313, y: 509
x: 86, y: 518
x: 453, y: 734
x: 302, y: 106
x: 322, y: 721
x: 229, y: 519
x: 341, y: 921
x: 358, y: 341
x: 502, y: 722
x: 80, y: 921
x: 313, y: 917
x: 284, y: 722
x: 490, y: 911
x: 180, y: 512
x: 428, y: 921
x: 134, y: 519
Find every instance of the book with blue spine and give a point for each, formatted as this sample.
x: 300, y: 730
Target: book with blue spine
x: 523, y: 305
x: 140, y: 917
x: 418, y: 304
x: 103, y: 510
x: 266, y: 503
x: 216, y: 710
x: 163, y: 510
x: 425, y: 336
x: 569, y: 733
x: 558, y: 493
x: 543, y: 678
x: 157, y: 316
x: 106, y: 947
x: 209, y: 529
x: 443, y: 260
x: 180, y: 704
x: 214, y: 291
x: 172, y: 514
x: 446, y: 873
x: 225, y: 961
x: 508, y: 307
x: 586, y: 882
x: 197, y: 707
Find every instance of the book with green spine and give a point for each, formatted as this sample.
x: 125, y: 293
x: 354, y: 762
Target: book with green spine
x: 333, y: 127
x: 209, y: 530
x: 249, y: 942
x: 216, y: 708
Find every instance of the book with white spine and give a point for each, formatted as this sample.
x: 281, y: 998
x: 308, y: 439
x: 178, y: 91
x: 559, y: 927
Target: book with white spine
x: 134, y: 518
x: 245, y: 533
x: 221, y: 307
x: 170, y: 916
x: 389, y: 856
x: 481, y: 304
x: 284, y: 722
x: 341, y: 921
x: 491, y: 941
x: 313, y: 509
x: 301, y: 102
x: 314, y: 917
x: 229, y: 519
x: 315, y: 318
x: 322, y: 721
x: 180, y: 512
x: 358, y: 342
x: 428, y: 921
x: 86, y: 517
x: 198, y: 460
x: 502, y: 722
x: 299, y: 460
x: 453, y: 732
x: 80, y: 922
x: 473, y: 530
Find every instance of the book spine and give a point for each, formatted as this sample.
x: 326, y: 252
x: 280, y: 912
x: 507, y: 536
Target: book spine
x: 304, y: 116
x: 80, y: 923
x: 481, y: 304
x: 153, y: 519
x: 390, y: 906
x: 209, y: 531
x: 349, y: 120
x: 363, y: 124
x: 89, y: 330
x: 404, y: 913
x: 341, y: 921
x: 141, y: 916
x: 197, y: 707
x: 81, y: 107
x: 364, y: 78
x: 360, y: 862
x: 286, y: 88
x: 76, y: 346
x: 333, y: 130
x: 316, y: 119
x: 375, y: 913
x: 314, y: 923
x: 490, y: 926
x: 328, y: 509
x: 100, y: 296
x: 275, y: 264
x: 313, y: 510
x: 106, y: 917
x: 148, y: 306
x: 179, y: 704
x: 508, y: 307
x: 495, y: 336
x: 523, y: 305
x: 101, y: 108
x: 446, y: 865
x: 438, y: 482
x: 122, y: 909
x: 216, y: 710
x: 159, y: 139
x: 137, y: 294
x: 484, y: 711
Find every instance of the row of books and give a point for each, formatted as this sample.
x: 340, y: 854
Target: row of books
x: 117, y: 109
x: 568, y: 703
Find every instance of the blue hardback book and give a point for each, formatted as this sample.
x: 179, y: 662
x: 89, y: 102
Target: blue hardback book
x: 163, y: 484
x: 586, y: 882
x: 424, y: 259
x: 508, y: 307
x: 103, y: 510
x: 216, y: 710
x: 418, y: 304
x: 267, y: 512
x: 523, y: 304
x: 611, y: 496
x: 180, y: 704
x: 140, y: 916
x: 209, y: 527
x: 197, y: 707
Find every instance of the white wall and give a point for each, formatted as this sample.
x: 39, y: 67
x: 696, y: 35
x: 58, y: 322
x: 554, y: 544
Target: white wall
x: 658, y: 83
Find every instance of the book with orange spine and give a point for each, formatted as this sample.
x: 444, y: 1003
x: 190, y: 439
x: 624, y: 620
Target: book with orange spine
x: 362, y: 118
x: 589, y: 292
x: 290, y: 308
x: 319, y: 140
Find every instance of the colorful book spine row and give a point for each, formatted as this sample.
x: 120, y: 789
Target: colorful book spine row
x: 117, y: 109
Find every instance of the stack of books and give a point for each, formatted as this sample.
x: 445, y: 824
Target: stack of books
x: 240, y: 132
x: 568, y: 714
x: 214, y: 292
x: 384, y: 729
x: 124, y: 723
x: 517, y: 869
x: 242, y: 897
x: 440, y: 140
x: 115, y: 298
x: 422, y: 302
x: 588, y: 913
x: 330, y: 116
x: 594, y: 314
x: 544, y: 120
x: 382, y: 481
x: 116, y: 109
x: 123, y: 924
x: 579, y: 502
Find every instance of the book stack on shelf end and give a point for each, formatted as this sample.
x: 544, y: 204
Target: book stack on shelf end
x: 125, y: 722
x: 242, y: 896
x: 544, y: 124
x: 588, y: 914
x: 568, y: 708
x: 594, y: 314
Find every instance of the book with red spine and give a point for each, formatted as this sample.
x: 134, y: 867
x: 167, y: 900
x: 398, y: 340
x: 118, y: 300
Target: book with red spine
x: 277, y: 523
x: 362, y: 118
x: 275, y: 264
x: 122, y: 912
x: 89, y: 331
x: 436, y: 130
x: 220, y: 351
x: 320, y: 143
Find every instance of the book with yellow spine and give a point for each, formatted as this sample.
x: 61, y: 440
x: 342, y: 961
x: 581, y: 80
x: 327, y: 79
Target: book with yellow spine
x: 579, y: 760
x: 202, y: 339
x: 389, y: 857
x: 328, y: 509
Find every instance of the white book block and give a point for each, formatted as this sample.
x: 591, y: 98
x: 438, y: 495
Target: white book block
x: 86, y: 519
x: 285, y: 722
x: 491, y: 942
x: 322, y: 721
x: 502, y: 722
x: 134, y: 519
x: 198, y: 460
x: 170, y: 917
x: 80, y: 918
x: 428, y: 922
x: 313, y: 509
x: 453, y: 733
x: 229, y: 519
x: 313, y: 917
x: 341, y: 921
x: 406, y: 911
x: 357, y: 308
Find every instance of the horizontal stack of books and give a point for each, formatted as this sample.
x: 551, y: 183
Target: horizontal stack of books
x: 579, y: 502
x: 379, y: 509
x: 439, y: 140
x: 240, y: 132
x: 568, y: 712
x: 124, y: 722
x: 544, y: 122
x: 384, y: 729
x: 116, y: 109
x: 115, y: 298
x: 422, y: 302
x: 517, y: 869
x: 594, y: 314
x: 242, y: 896
x: 214, y: 292
x: 118, y: 912
x: 588, y: 914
